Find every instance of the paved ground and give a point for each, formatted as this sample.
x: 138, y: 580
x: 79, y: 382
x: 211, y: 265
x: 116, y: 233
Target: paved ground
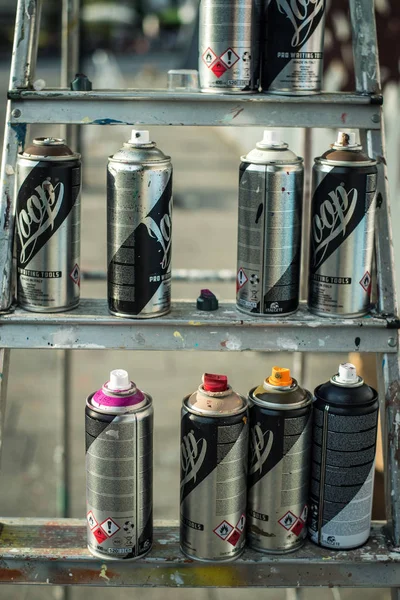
x: 204, y: 236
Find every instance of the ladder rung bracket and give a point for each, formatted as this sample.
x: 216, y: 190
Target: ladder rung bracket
x: 41, y: 551
x: 90, y: 326
x: 129, y: 107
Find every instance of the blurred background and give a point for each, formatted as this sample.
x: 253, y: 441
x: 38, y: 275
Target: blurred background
x: 133, y: 43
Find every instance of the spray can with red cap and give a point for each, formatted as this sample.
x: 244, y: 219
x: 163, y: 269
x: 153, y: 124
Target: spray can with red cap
x: 119, y: 469
x: 214, y: 449
x: 279, y: 463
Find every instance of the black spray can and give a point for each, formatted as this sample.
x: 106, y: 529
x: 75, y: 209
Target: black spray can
x: 343, y: 457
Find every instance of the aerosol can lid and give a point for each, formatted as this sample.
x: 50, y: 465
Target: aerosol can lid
x: 272, y: 138
x: 139, y: 136
x: 119, y: 380
x: 271, y: 149
x: 280, y: 377
x: 347, y: 376
x: 346, y: 140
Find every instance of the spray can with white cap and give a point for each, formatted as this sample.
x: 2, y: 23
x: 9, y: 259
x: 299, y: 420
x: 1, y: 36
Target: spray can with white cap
x: 119, y: 469
x: 269, y: 229
x: 139, y: 221
x: 342, y: 230
x: 343, y: 456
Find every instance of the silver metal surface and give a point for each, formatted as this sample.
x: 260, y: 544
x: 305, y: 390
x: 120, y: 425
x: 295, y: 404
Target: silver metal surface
x: 26, y: 38
x: 158, y: 108
x: 365, y: 46
x: 294, y: 49
x: 228, y: 46
x: 90, y: 326
x: 185, y: 275
x: 54, y: 552
x: 70, y: 59
x: 4, y: 368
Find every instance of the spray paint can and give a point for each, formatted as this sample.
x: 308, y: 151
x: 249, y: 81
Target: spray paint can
x: 343, y: 455
x: 119, y: 469
x: 292, y: 61
x: 269, y: 229
x: 229, y: 46
x: 48, y: 225
x: 139, y: 221
x: 278, y: 483
x: 342, y: 230
x: 214, y: 449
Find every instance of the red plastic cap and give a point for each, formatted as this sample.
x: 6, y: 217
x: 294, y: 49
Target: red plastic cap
x: 215, y: 383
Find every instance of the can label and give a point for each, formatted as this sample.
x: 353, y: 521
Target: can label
x: 48, y: 235
x: 139, y: 241
x: 269, y: 239
x: 213, y: 486
x: 342, y: 238
x: 278, y: 479
x: 294, y: 45
x: 342, y: 478
x: 119, y: 485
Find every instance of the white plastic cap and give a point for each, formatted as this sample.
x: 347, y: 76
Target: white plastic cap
x: 347, y: 373
x: 139, y: 137
x: 271, y: 138
x: 119, y: 380
x: 346, y: 139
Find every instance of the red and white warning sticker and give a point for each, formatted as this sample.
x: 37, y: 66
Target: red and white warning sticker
x: 241, y: 523
x: 298, y: 527
x: 223, y: 530
x: 234, y: 537
x: 76, y: 275
x: 209, y: 57
x: 218, y: 68
x: 365, y: 281
x: 241, y: 279
x: 109, y: 527
x: 91, y: 520
x: 288, y: 520
x: 304, y: 513
x: 229, y: 58
x: 99, y: 535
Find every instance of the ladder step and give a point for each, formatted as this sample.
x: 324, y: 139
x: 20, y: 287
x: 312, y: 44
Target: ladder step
x: 41, y: 551
x: 90, y: 326
x: 169, y: 108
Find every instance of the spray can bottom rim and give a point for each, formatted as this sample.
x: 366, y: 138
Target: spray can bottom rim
x: 141, y: 316
x: 227, y: 91
x: 213, y: 560
x: 288, y: 92
x: 334, y: 315
x: 48, y: 309
x: 119, y: 557
x: 266, y: 315
x: 253, y: 546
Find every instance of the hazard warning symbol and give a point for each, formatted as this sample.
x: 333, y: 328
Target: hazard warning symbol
x: 298, y: 527
x: 234, y: 537
x: 76, y: 275
x: 91, y: 520
x: 288, y: 520
x: 99, y: 535
x: 223, y: 530
x: 229, y: 58
x: 218, y: 69
x: 208, y: 57
x: 365, y: 282
x: 241, y: 523
x: 109, y: 527
x: 304, y: 513
x: 241, y: 279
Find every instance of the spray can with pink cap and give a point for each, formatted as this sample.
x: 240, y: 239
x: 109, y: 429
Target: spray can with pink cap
x: 119, y: 465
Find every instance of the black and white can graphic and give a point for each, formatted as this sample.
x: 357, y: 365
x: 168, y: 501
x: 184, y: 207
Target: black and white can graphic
x: 343, y: 458
x: 229, y: 45
x: 48, y: 226
x: 293, y: 50
x: 269, y: 229
x: 342, y: 230
x: 139, y: 229
x: 214, y: 449
x: 119, y: 470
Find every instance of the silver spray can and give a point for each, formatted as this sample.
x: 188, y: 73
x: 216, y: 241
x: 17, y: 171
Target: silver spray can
x: 279, y: 463
x: 269, y: 229
x: 342, y: 230
x: 214, y: 447
x: 119, y: 469
x: 229, y: 46
x: 48, y: 223
x: 293, y: 52
x: 343, y: 459
x: 139, y: 221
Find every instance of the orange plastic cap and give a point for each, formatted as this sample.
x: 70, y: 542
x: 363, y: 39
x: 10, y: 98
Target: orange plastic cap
x: 280, y: 377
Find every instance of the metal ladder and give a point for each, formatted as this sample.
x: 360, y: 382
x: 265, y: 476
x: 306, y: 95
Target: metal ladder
x: 38, y: 551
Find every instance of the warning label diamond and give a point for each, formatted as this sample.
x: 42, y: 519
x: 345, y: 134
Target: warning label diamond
x: 365, y: 282
x: 298, y: 527
x: 91, y: 520
x: 288, y: 520
x: 234, y: 537
x: 223, y: 530
x: 218, y: 69
x: 304, y: 514
x: 109, y: 527
x: 241, y: 523
x: 99, y: 535
x: 241, y: 279
x: 76, y: 275
x: 209, y: 57
x: 229, y: 58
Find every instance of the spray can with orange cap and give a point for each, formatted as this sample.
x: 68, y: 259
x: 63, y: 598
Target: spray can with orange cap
x: 280, y: 441
x: 214, y: 449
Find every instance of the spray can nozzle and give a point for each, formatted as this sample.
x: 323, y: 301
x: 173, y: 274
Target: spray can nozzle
x: 215, y: 383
